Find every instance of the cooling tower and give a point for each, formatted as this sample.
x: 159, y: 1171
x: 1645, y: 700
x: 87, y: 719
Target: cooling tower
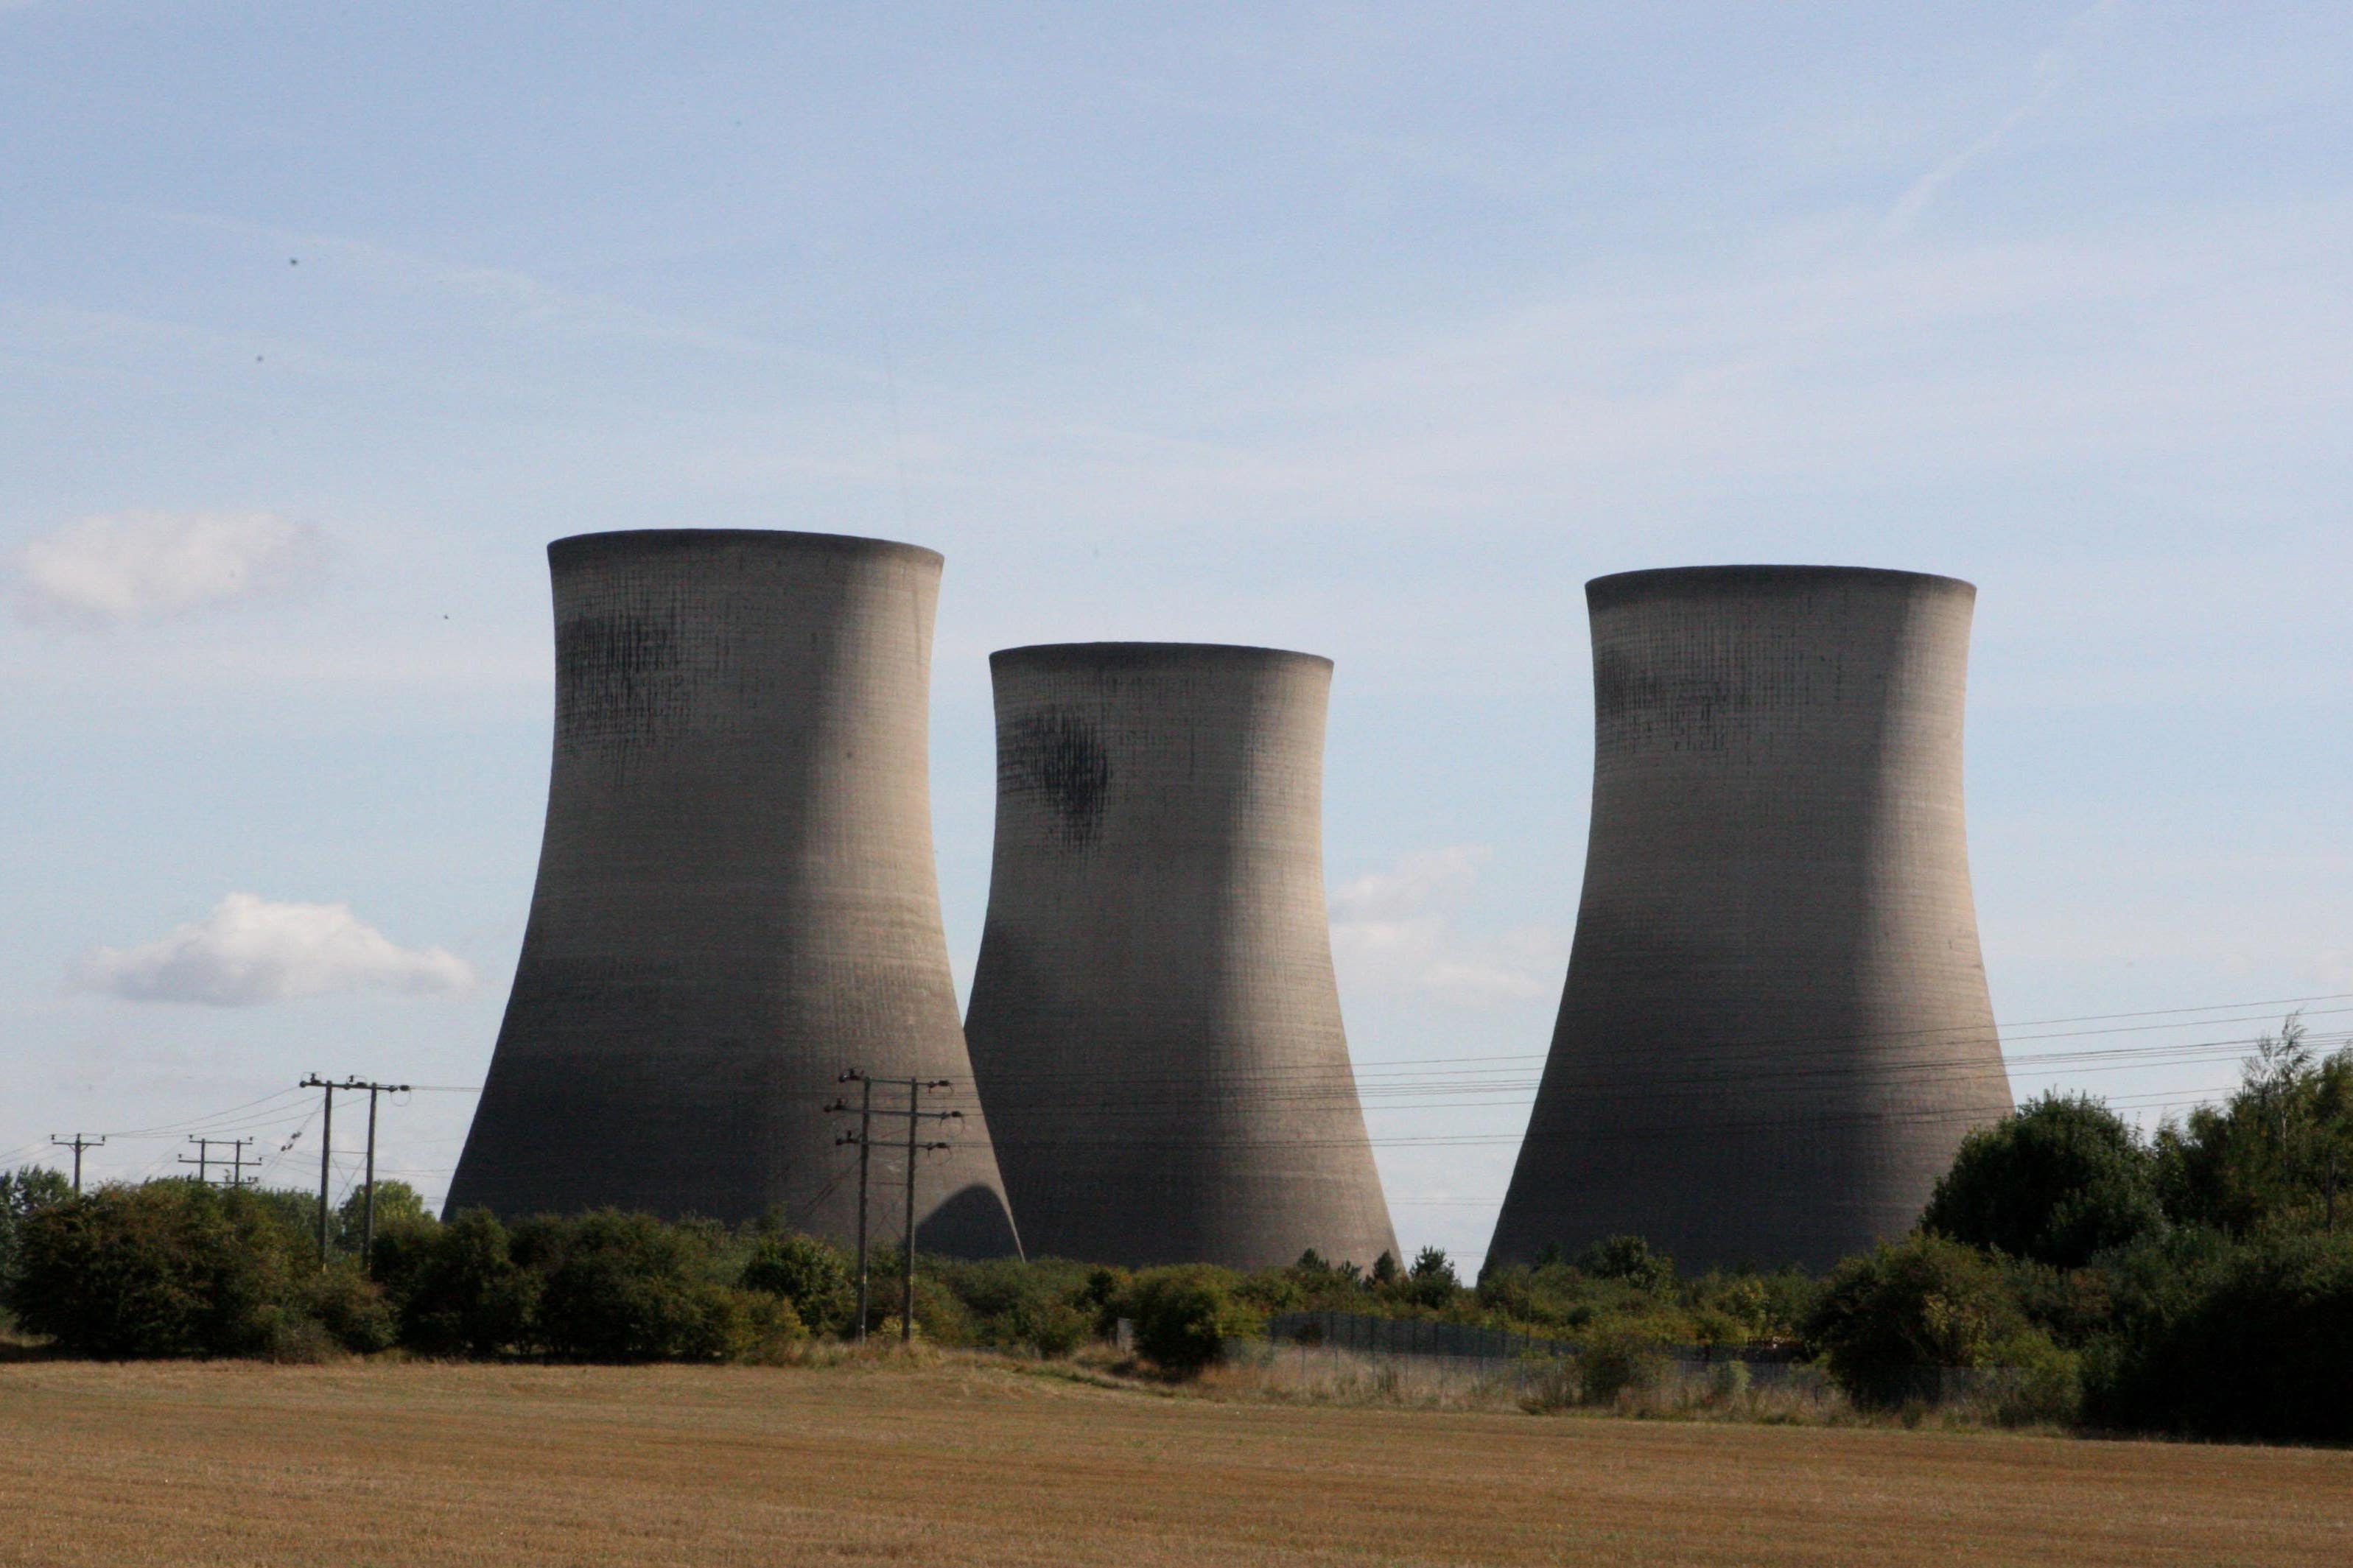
x: 1154, y: 1020
x: 736, y: 896
x: 1776, y: 1027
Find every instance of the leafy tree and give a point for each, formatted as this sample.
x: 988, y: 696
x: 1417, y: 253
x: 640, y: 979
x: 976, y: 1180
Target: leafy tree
x: 168, y: 1268
x: 1385, y: 1269
x: 396, y: 1204
x: 2278, y: 1157
x: 2062, y: 1179
x: 1432, y: 1283
x: 22, y: 1191
x: 1629, y: 1259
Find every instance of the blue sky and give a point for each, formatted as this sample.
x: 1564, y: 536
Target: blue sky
x: 1368, y: 330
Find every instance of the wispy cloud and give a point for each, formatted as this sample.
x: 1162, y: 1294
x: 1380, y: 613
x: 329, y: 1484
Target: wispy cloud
x: 1398, y: 928
x: 251, y: 950
x: 506, y: 297
x: 2052, y: 67
x: 141, y: 565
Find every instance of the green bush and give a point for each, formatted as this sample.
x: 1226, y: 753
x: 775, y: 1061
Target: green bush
x: 349, y: 1307
x: 769, y: 1327
x: 628, y: 1287
x: 1627, y: 1258
x: 2060, y: 1180
x: 1618, y: 1360
x: 2251, y: 1344
x: 1184, y: 1315
x: 1048, y: 1306
x: 811, y: 1274
x: 456, y: 1288
x: 1889, y: 1318
x: 170, y: 1268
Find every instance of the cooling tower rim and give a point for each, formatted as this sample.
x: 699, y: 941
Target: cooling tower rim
x: 1623, y: 587
x: 1148, y: 655
x: 642, y: 541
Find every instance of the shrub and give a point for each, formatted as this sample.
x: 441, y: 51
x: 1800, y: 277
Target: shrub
x: 2251, y: 1345
x: 349, y: 1307
x: 2062, y: 1179
x: 1631, y: 1260
x: 1889, y: 1318
x: 1617, y: 1360
x: 811, y: 1274
x: 1184, y: 1315
x: 770, y: 1328
x: 456, y: 1288
x: 627, y: 1288
x: 165, y: 1270
x: 1727, y: 1383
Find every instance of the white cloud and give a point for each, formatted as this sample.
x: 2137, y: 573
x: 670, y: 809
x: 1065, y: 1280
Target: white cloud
x: 133, y: 565
x: 1395, y: 929
x: 251, y: 950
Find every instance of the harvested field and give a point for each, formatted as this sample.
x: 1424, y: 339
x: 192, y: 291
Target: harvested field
x: 971, y: 1463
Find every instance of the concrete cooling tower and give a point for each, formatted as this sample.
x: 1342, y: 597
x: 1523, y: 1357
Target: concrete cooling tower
x: 1776, y: 1028
x: 736, y: 896
x: 1154, y: 1020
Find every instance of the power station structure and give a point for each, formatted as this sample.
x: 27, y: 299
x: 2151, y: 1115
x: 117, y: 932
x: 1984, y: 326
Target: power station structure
x: 1154, y: 1018
x: 1776, y: 1028
x: 736, y: 897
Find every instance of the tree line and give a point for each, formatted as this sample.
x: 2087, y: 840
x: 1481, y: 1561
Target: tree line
x: 2198, y: 1282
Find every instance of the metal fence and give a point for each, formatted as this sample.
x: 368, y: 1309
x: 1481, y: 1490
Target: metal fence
x: 1328, y: 1345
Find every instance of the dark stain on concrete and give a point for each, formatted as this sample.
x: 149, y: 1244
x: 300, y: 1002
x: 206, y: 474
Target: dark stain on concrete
x: 1058, y: 758
x: 619, y: 679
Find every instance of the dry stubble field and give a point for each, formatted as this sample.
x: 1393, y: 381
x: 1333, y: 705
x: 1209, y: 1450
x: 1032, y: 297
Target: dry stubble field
x: 400, y: 1464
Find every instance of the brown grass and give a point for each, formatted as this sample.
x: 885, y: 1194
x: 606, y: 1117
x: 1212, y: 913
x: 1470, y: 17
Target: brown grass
x: 963, y: 1462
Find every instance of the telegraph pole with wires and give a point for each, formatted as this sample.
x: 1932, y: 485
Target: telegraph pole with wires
x: 368, y: 1222
x: 864, y: 1138
x: 326, y: 1151
x: 78, y: 1142
x: 205, y: 1162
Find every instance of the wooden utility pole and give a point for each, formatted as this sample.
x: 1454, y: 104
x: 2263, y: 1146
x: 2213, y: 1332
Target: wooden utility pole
x: 78, y: 1142
x: 864, y: 1139
x: 327, y: 1152
x: 907, y: 1236
x: 203, y: 1160
x: 367, y: 1222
